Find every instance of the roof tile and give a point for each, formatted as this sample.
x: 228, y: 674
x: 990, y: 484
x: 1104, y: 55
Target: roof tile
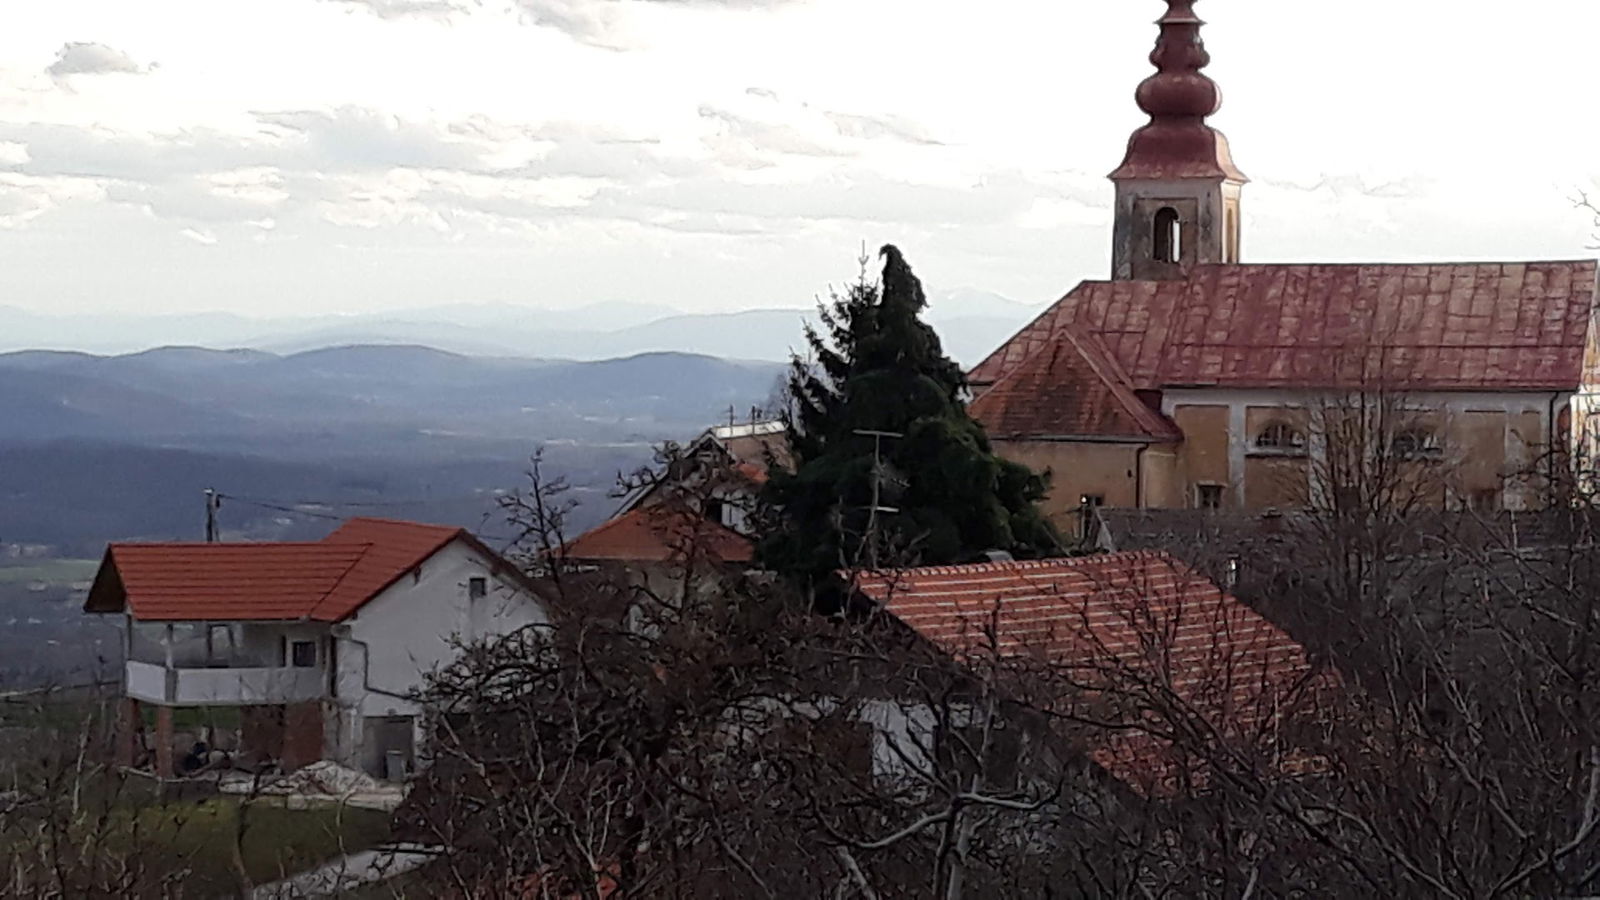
x: 1282, y: 326
x: 1110, y: 620
x: 323, y: 581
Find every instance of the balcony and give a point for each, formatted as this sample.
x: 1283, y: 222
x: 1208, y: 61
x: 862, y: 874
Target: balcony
x: 159, y: 684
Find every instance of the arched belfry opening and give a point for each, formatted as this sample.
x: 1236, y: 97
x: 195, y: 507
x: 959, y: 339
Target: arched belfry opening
x: 1166, y: 238
x: 1177, y: 188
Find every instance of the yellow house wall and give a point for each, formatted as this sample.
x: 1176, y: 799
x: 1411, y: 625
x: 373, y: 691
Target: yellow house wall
x: 1077, y: 468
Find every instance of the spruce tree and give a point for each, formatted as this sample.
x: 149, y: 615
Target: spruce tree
x: 877, y: 367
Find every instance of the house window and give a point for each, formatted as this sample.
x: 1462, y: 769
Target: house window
x: 303, y: 654
x: 715, y: 510
x: 1208, y: 496
x: 1415, y: 444
x: 1168, y: 236
x: 1281, y: 437
x: 477, y: 588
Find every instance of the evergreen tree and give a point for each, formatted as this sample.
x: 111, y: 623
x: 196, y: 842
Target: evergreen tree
x: 879, y: 368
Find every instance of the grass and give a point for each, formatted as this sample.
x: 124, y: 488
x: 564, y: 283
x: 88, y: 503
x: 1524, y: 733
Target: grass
x: 49, y: 571
x: 278, y: 842
x: 191, y: 843
x: 192, y: 718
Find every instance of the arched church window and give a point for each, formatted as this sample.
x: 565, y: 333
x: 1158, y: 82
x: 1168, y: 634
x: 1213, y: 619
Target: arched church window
x: 1282, y: 437
x: 1168, y: 236
x: 1415, y: 443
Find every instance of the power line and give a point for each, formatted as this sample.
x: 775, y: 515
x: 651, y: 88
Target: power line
x: 283, y: 506
x: 280, y: 508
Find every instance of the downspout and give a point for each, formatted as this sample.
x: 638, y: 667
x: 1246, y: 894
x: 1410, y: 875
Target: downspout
x: 1554, y: 434
x: 366, y: 671
x: 1138, y: 476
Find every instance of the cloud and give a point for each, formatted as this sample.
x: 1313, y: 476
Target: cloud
x: 602, y: 23
x: 404, y: 9
x: 880, y: 127
x: 87, y: 58
x: 738, y: 133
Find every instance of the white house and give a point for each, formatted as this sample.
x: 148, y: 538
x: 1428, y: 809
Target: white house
x: 320, y: 644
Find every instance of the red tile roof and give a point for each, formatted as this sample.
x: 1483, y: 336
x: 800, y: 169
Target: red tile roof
x: 1122, y: 625
x: 653, y: 534
x: 1071, y: 387
x: 394, y: 548
x: 1473, y: 326
x: 219, y: 581
x: 324, y: 581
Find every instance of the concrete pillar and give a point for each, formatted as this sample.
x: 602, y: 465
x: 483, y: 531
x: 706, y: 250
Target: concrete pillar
x: 164, y: 741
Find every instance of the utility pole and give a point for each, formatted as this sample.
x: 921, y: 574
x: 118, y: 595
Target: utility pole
x: 213, y: 503
x: 877, y: 491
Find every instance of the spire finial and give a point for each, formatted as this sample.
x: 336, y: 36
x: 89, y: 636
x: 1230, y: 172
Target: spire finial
x: 1177, y: 143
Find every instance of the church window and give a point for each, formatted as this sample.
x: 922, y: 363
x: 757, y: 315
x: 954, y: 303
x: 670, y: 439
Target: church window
x: 1168, y: 236
x: 1281, y: 437
x: 1415, y: 444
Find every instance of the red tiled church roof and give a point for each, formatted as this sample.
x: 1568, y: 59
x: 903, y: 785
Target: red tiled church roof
x: 1473, y: 326
x: 324, y: 581
x: 652, y: 534
x: 1123, y: 624
x: 1031, y: 400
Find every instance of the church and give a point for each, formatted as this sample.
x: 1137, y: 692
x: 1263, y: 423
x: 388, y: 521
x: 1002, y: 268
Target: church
x: 1192, y: 379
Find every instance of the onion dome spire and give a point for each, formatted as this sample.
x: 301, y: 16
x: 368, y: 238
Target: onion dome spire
x: 1177, y: 143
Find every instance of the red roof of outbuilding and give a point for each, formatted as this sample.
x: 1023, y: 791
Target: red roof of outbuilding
x: 324, y: 581
x: 1123, y: 624
x: 653, y: 534
x: 1472, y: 326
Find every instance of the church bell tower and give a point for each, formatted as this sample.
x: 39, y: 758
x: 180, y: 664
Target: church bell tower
x: 1177, y: 201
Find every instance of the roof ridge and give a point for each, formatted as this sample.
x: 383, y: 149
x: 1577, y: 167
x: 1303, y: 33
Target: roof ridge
x: 219, y: 545
x: 1018, y: 565
x: 355, y: 561
x: 385, y: 520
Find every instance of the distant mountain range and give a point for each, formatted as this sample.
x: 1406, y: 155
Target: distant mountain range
x: 971, y: 323
x: 96, y: 448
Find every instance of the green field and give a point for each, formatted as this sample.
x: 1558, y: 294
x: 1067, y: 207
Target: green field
x: 49, y: 571
x: 192, y: 843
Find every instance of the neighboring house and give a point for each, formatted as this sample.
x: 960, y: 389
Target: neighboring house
x: 659, y: 548
x: 1188, y: 379
x: 737, y: 456
x: 320, y: 644
x: 1136, y: 642
x: 700, y: 507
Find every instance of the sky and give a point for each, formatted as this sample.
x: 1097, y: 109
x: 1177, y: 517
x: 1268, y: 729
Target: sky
x: 298, y: 157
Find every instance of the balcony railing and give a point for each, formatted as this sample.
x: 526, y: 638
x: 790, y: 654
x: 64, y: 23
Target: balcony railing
x: 155, y: 683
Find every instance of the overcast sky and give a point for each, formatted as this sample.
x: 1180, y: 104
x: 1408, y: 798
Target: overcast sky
x: 304, y: 156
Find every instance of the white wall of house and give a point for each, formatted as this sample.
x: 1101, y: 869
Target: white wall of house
x: 387, y: 648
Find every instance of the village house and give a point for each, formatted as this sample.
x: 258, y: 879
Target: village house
x: 699, y: 505
x: 736, y: 455
x: 1137, y: 640
x: 1190, y: 379
x: 319, y: 644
